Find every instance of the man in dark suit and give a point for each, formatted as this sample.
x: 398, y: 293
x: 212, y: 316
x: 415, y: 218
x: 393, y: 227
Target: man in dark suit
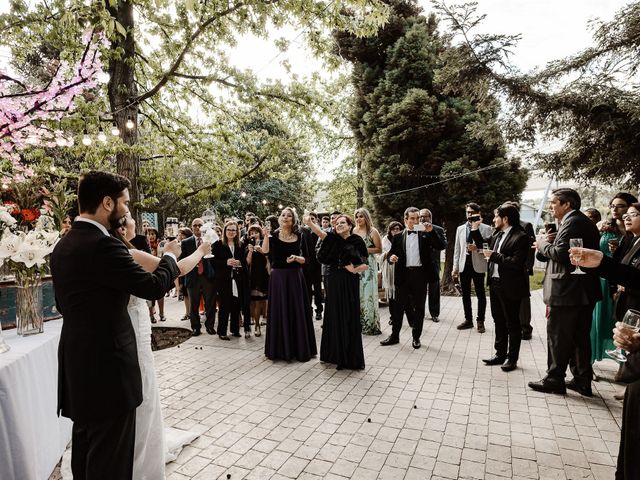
x: 312, y: 269
x: 199, y: 282
x: 411, y: 252
x: 570, y: 298
x: 99, y: 381
x: 434, y: 287
x: 508, y: 282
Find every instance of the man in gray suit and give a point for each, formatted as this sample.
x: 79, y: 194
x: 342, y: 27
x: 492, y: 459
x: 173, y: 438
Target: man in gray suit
x: 570, y: 298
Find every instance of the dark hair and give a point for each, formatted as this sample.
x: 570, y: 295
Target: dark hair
x: 473, y: 206
x: 254, y: 228
x: 236, y: 239
x: 336, y: 212
x: 627, y: 197
x: 253, y: 221
x: 593, y: 212
x: 509, y: 211
x: 568, y: 195
x: 153, y: 230
x: 410, y: 210
x: 313, y: 214
x: 116, y: 233
x: 186, y: 232
x: 95, y: 185
x: 391, y: 226
x: 349, y: 220
x: 272, y: 220
x: 249, y: 214
x: 325, y: 218
x: 635, y: 205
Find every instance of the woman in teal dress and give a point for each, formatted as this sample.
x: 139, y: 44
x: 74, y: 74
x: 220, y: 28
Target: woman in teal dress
x: 612, y: 231
x: 369, y: 314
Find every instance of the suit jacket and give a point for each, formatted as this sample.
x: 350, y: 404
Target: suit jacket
x: 510, y: 261
x: 630, y: 298
x: 426, y: 242
x: 224, y: 273
x: 188, y: 247
x: 531, y: 256
x: 560, y: 287
x: 309, y: 242
x: 625, y: 275
x: 460, y: 252
x: 435, y: 252
x: 93, y: 276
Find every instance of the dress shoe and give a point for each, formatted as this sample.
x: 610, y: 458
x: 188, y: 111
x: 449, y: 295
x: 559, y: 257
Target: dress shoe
x: 584, y: 390
x: 389, y: 341
x: 237, y: 335
x: 435, y: 319
x: 509, y: 365
x: 526, y: 335
x: 416, y: 343
x: 548, y: 386
x: 495, y: 360
x: 481, y: 328
x: 619, y: 396
x: 465, y: 325
x: 195, y: 332
x: 223, y: 337
x: 211, y: 331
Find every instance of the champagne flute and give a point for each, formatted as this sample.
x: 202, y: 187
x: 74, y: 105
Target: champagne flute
x: 485, y: 246
x: 4, y: 346
x: 577, y: 242
x: 209, y: 235
x: 632, y: 322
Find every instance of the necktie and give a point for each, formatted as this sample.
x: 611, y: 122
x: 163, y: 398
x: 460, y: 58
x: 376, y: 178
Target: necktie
x: 200, y: 264
x: 411, y: 232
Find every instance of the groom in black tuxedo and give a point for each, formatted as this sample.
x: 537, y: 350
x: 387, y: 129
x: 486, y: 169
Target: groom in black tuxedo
x: 99, y: 381
x: 411, y: 253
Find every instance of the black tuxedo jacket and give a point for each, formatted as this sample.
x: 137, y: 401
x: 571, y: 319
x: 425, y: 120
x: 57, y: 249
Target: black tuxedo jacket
x: 511, y: 262
x: 309, y: 242
x: 188, y: 247
x: 560, y: 287
x: 531, y: 256
x: 224, y: 273
x: 93, y: 276
x: 427, y: 241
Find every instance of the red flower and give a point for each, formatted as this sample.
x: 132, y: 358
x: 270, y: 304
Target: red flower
x: 30, y: 214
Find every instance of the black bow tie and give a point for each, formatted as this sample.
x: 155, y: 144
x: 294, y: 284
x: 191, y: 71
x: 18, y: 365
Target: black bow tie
x: 410, y: 232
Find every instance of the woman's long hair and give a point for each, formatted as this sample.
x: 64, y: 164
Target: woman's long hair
x: 236, y: 239
x: 295, y: 227
x: 391, y: 226
x: 368, y: 223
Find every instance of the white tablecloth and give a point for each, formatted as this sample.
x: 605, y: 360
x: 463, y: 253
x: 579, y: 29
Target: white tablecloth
x: 32, y: 437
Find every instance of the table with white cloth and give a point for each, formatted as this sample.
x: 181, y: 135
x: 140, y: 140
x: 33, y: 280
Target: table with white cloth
x: 32, y: 436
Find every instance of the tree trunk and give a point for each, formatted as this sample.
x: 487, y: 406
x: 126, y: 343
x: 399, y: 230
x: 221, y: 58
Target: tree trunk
x: 446, y: 284
x: 121, y: 91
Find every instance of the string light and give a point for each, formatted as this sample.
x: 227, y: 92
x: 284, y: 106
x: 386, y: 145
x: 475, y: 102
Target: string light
x: 243, y: 194
x: 129, y: 123
x: 102, y: 136
x: 280, y: 206
x: 115, y: 131
x: 103, y: 77
x: 86, y: 139
x: 264, y: 202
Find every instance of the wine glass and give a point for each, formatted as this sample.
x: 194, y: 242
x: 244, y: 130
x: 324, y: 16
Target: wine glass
x: 631, y: 321
x: 577, y: 242
x: 210, y: 235
x: 485, y: 246
x: 4, y: 346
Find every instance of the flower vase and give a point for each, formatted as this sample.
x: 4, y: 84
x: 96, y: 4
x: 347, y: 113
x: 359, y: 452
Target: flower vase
x: 29, y: 316
x: 4, y: 346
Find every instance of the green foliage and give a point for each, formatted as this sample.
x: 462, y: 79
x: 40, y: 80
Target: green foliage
x: 588, y: 101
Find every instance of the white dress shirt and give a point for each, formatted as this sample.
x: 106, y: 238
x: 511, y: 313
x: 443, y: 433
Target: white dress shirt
x: 413, y: 250
x: 505, y: 232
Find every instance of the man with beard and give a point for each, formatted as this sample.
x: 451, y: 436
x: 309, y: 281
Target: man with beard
x: 99, y: 380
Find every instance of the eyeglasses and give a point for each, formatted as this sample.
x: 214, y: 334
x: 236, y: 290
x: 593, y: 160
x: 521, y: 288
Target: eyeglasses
x: 628, y: 216
x: 341, y: 223
x: 396, y: 228
x: 618, y: 207
x: 197, y: 225
x: 231, y: 230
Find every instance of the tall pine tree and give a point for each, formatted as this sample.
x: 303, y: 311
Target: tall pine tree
x: 411, y: 133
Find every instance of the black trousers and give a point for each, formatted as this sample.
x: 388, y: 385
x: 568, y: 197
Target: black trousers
x: 313, y: 280
x: 410, y: 299
x: 525, y: 315
x: 434, y: 298
x: 506, y: 316
x: 207, y: 289
x: 569, y: 343
x: 628, y: 466
x: 104, y: 449
x: 230, y: 308
x: 467, y: 276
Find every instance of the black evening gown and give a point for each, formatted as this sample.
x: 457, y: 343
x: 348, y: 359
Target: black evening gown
x: 290, y: 333
x: 341, y: 330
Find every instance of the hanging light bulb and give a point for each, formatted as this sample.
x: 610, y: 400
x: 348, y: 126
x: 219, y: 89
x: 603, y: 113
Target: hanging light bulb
x: 102, y: 136
x: 264, y: 202
x: 86, y: 139
x: 115, y: 131
x: 129, y: 123
x: 280, y: 206
x: 243, y: 194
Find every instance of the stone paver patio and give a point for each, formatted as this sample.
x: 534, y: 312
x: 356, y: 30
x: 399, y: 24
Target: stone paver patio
x: 437, y: 412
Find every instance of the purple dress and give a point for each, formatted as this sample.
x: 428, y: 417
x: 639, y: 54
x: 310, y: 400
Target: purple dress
x: 290, y: 333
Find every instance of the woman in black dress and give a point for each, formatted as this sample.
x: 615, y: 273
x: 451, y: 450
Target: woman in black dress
x: 346, y: 256
x: 290, y: 332
x: 258, y: 273
x: 230, y: 281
